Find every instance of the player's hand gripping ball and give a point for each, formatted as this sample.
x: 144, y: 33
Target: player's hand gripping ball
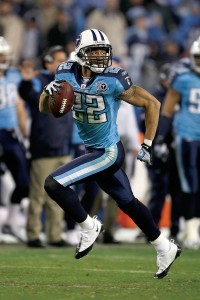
x: 61, y: 98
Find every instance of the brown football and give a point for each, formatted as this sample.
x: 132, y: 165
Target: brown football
x: 60, y: 103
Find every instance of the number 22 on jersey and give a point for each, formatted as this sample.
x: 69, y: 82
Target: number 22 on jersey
x: 89, y: 108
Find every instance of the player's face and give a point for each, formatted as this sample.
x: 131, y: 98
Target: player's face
x: 96, y: 56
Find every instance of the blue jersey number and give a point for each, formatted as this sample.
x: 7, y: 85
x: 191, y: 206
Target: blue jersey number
x: 194, y: 104
x: 91, y: 106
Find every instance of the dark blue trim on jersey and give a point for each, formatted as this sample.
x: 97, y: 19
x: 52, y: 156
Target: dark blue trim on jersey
x: 119, y: 74
x: 94, y: 35
x: 78, y: 76
x: 115, y: 72
x: 175, y: 76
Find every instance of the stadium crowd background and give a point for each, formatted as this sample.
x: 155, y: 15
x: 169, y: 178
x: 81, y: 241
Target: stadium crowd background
x: 145, y: 34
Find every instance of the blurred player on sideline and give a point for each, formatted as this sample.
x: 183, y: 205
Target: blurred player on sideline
x: 164, y: 169
x: 185, y: 91
x: 13, y: 127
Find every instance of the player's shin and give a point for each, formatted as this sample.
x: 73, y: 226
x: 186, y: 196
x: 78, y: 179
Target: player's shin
x: 140, y: 214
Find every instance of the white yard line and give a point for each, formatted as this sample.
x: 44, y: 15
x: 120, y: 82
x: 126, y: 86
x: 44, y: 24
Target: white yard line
x: 85, y: 269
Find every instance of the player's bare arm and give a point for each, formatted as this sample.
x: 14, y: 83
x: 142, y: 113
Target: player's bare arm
x: 22, y: 116
x: 171, y: 99
x: 138, y: 96
x: 43, y: 103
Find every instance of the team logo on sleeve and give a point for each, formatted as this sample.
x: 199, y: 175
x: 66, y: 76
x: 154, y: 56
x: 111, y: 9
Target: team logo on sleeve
x: 102, y: 86
x: 124, y: 73
x: 128, y: 80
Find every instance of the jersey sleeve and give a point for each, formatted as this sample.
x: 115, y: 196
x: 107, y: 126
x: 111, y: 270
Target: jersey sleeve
x: 178, y: 83
x: 63, y: 69
x: 123, y: 82
x: 179, y: 68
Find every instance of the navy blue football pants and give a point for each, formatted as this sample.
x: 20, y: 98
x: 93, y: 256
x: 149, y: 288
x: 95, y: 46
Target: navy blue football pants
x: 13, y: 155
x: 104, y: 167
x: 87, y: 190
x: 165, y: 181
x: 188, y: 161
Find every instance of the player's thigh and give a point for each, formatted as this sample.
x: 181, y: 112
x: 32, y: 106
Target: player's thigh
x: 92, y: 166
x: 117, y: 186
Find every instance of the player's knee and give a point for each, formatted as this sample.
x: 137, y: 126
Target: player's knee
x: 133, y: 205
x: 50, y: 185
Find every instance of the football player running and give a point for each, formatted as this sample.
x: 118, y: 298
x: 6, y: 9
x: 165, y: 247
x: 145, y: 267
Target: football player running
x: 185, y: 91
x: 99, y: 88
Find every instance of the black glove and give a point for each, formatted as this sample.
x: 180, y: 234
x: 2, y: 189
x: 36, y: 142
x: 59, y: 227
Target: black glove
x: 145, y: 154
x: 160, y: 149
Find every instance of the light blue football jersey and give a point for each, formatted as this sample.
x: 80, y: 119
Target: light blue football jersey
x: 96, y: 104
x: 187, y: 119
x: 8, y: 99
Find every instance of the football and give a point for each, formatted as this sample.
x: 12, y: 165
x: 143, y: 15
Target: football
x: 60, y: 103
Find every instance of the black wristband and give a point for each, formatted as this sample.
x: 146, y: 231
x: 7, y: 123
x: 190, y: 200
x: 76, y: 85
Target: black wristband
x: 147, y: 147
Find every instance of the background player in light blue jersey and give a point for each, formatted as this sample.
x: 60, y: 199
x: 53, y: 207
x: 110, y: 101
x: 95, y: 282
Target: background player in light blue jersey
x: 98, y: 88
x: 12, y: 121
x: 185, y: 90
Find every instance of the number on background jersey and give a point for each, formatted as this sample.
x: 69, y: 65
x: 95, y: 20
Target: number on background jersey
x: 194, y: 101
x: 8, y: 95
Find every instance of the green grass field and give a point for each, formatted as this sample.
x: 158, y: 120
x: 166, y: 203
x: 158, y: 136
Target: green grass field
x: 108, y: 272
